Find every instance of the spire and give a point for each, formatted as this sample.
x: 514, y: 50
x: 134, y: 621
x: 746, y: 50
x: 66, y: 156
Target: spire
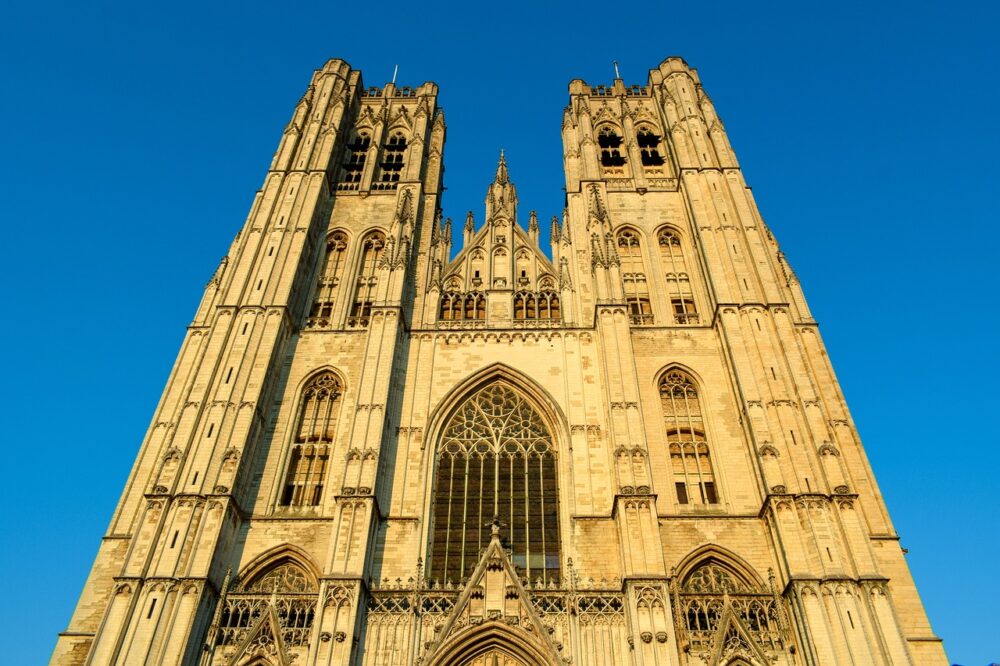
x: 556, y: 232
x: 502, y: 176
x: 446, y: 234
x: 470, y: 228
x: 533, y: 227
x: 501, y: 195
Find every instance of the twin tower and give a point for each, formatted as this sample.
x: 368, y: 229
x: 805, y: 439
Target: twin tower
x: 379, y: 449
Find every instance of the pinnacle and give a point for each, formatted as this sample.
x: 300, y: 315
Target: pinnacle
x: 502, y: 176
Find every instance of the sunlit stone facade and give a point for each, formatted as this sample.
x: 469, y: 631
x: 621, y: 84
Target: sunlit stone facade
x: 627, y: 448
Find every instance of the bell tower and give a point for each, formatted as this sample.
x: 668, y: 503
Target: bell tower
x: 323, y: 272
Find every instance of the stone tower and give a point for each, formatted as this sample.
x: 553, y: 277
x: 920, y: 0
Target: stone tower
x: 376, y: 450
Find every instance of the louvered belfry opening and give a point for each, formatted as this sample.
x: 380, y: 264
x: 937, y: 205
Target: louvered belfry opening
x: 496, y: 457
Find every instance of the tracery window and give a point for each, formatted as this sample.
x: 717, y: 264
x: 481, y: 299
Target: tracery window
x: 367, y: 282
x: 354, y: 162
x: 391, y: 166
x: 690, y: 462
x: 704, y: 595
x: 458, y: 306
x: 610, y: 143
x: 329, y: 280
x: 634, y: 278
x: 678, y: 278
x: 536, y: 305
x: 649, y: 150
x: 497, y: 458
x: 291, y: 590
x: 314, y: 435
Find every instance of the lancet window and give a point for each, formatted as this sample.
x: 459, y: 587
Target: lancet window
x: 391, y: 165
x: 293, y: 593
x: 354, y: 162
x: 704, y: 595
x: 690, y: 462
x: 678, y: 278
x: 609, y: 141
x: 496, y: 458
x: 649, y: 148
x: 543, y: 305
x: 367, y: 282
x: 315, y: 430
x: 634, y: 278
x: 327, y: 287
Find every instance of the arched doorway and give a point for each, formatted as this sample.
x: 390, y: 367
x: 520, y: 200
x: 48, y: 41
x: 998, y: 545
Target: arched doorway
x: 493, y: 657
x: 493, y: 644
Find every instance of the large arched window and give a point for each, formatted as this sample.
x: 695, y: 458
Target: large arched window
x: 694, y: 480
x: 496, y: 457
x: 329, y: 280
x: 678, y: 278
x: 634, y: 278
x: 364, y: 293
x: 315, y: 430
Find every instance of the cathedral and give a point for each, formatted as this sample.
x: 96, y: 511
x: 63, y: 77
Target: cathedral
x: 379, y: 449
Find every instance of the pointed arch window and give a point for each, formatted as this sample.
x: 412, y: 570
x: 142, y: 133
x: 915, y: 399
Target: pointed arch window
x: 634, y: 278
x: 712, y: 589
x: 364, y: 293
x: 690, y: 461
x: 496, y: 457
x: 542, y: 305
x: 286, y: 586
x: 354, y: 162
x: 327, y: 287
x: 458, y: 306
x: 609, y: 141
x: 315, y: 430
x: 682, y: 302
x: 649, y: 148
x: 391, y: 166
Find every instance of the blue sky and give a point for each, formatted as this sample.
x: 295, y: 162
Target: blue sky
x: 135, y: 136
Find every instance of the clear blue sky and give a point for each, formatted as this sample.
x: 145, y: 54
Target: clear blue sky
x: 135, y: 136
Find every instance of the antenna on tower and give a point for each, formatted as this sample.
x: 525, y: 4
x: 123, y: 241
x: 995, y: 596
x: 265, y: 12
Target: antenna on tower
x: 395, y: 70
x: 615, y: 63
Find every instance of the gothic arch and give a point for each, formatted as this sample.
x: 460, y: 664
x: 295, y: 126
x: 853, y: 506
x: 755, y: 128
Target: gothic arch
x: 677, y: 231
x: 316, y: 372
x: 488, y: 637
x: 714, y: 553
x: 547, y: 405
x: 276, y: 556
x: 340, y: 230
x: 680, y: 367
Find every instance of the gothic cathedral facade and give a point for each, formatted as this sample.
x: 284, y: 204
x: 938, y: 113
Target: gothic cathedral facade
x: 377, y: 450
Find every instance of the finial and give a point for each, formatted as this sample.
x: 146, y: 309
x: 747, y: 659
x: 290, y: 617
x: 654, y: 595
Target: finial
x: 533, y: 222
x: 615, y: 62
x: 502, y: 176
x: 470, y: 223
x: 495, y: 526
